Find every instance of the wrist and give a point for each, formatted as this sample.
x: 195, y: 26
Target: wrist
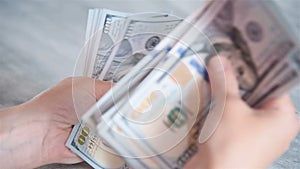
x: 21, y: 137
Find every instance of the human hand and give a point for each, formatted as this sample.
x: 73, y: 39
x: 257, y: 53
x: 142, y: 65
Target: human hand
x: 245, y: 137
x: 35, y: 133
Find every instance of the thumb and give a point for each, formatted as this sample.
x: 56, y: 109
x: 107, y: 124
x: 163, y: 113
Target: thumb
x: 222, y: 78
x: 101, y: 87
x: 86, y: 92
x: 223, y: 85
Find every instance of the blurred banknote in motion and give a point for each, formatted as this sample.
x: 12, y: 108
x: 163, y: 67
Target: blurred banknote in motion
x: 116, y: 41
x: 158, y: 111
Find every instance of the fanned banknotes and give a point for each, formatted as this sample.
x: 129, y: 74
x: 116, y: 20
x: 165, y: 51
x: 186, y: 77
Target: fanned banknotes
x: 158, y: 112
x: 116, y: 41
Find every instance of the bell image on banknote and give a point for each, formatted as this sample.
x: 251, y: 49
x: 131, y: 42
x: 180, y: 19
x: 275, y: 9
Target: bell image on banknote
x: 158, y: 111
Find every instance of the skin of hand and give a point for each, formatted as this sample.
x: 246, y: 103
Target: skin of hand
x: 35, y: 133
x: 245, y: 138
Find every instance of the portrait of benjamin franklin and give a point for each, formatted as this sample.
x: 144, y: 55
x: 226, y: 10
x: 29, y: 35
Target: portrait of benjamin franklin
x: 128, y: 57
x: 237, y: 51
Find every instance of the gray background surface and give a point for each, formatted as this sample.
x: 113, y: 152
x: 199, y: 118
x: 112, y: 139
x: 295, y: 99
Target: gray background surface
x: 40, y: 41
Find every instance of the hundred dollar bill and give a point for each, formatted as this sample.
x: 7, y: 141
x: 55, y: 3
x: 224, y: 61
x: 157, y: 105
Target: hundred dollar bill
x: 185, y: 25
x: 242, y: 31
x: 110, y: 29
x: 132, y: 152
x: 171, y: 107
x: 283, y: 77
x: 237, y: 32
x: 253, y: 37
x: 87, y: 145
x: 83, y: 140
x: 139, y: 37
x: 188, y: 150
x: 142, y: 68
x: 112, y: 22
x: 105, y: 32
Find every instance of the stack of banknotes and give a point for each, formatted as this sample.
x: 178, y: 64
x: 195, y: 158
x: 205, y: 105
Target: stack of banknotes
x: 158, y: 112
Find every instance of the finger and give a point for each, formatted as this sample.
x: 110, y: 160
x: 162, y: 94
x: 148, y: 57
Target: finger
x: 86, y: 92
x: 223, y: 84
x: 96, y: 88
x: 70, y: 158
x: 101, y: 87
x: 222, y: 77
